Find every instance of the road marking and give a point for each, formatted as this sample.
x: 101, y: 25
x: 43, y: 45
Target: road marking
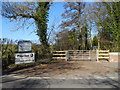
x: 75, y: 78
x: 61, y: 77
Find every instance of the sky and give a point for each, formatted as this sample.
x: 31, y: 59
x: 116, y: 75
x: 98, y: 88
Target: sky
x: 8, y: 28
x: 0, y: 21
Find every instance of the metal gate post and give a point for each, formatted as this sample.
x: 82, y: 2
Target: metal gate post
x: 97, y: 55
x: 67, y: 55
x: 89, y: 55
x: 82, y: 54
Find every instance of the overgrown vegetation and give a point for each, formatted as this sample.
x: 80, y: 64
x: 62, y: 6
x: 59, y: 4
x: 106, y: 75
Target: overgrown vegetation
x: 10, y: 47
x: 80, y: 21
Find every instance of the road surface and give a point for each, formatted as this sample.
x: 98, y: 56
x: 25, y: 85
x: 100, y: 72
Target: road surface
x: 69, y: 81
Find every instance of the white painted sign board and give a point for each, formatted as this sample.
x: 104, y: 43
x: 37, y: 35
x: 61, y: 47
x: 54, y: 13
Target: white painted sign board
x: 24, y: 58
x: 24, y: 46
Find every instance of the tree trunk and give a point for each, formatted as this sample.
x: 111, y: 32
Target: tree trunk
x: 98, y: 38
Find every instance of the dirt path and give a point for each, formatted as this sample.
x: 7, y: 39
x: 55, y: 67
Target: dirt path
x: 71, y: 74
x: 70, y: 67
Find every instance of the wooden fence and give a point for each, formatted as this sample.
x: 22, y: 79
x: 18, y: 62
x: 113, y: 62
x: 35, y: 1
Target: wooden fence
x: 60, y: 55
x: 81, y: 55
x: 103, y: 54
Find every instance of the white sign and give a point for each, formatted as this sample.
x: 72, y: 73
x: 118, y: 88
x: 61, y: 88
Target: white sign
x: 24, y: 58
x: 24, y: 46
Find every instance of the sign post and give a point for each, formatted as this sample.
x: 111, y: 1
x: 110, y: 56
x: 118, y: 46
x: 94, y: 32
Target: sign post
x: 24, y: 54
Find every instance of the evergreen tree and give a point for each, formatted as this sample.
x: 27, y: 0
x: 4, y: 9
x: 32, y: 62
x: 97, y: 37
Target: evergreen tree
x: 95, y: 41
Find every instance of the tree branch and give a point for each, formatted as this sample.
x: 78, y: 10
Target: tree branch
x: 22, y: 15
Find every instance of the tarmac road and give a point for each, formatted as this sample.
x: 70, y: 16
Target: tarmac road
x: 71, y: 81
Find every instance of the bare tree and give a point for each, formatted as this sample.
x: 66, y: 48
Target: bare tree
x: 73, y: 19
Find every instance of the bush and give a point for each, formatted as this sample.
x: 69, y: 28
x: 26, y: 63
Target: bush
x: 8, y: 55
x: 10, y: 47
x: 39, y: 54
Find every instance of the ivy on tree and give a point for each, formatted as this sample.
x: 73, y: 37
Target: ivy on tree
x: 38, y: 11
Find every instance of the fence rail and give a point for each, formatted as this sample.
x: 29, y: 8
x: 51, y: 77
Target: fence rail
x: 102, y: 54
x: 75, y: 55
x: 60, y: 55
x: 81, y: 54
